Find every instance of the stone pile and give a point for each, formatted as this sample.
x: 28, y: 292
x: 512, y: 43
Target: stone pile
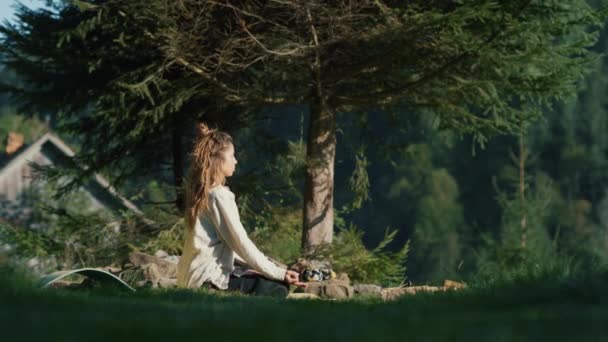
x: 160, y: 271
x: 337, y: 288
x: 144, y: 270
x: 393, y: 293
x: 340, y: 287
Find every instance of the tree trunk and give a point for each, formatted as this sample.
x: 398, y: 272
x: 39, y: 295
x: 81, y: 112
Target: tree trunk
x: 318, y: 225
x: 319, y: 183
x: 523, y: 154
x: 178, y: 166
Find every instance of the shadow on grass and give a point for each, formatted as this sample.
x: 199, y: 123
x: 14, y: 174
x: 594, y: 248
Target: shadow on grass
x: 565, y: 308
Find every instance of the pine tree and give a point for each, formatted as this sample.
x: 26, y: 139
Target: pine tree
x: 572, y: 149
x: 477, y: 64
x: 98, y: 67
x: 140, y: 70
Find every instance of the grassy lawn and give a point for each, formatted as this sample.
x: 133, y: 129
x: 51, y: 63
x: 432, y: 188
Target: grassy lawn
x: 569, y: 310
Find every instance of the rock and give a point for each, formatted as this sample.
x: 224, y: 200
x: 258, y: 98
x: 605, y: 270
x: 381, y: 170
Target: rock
x: 161, y: 254
x: 143, y: 283
x: 313, y: 288
x: 337, y: 289
x: 152, y: 273
x: 295, y: 295
x: 343, y: 277
x: 172, y: 259
x: 166, y: 283
x: 367, y: 289
x: 149, y: 275
x: 165, y: 256
x: 165, y: 268
x: 396, y: 292
x: 450, y: 284
x: 393, y: 293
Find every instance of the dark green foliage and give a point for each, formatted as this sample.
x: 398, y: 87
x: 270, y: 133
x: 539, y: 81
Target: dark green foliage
x: 99, y: 68
x: 474, y: 63
x: 277, y: 232
x: 369, y: 266
x: 28, y: 242
x: 359, y: 180
x: 431, y: 194
x: 506, y: 252
x: 141, y: 72
x: 565, y: 206
x: 276, y: 224
x: 439, y: 229
x: 68, y: 233
x: 168, y: 239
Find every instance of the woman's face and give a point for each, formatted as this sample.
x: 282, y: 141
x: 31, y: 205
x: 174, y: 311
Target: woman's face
x: 229, y: 161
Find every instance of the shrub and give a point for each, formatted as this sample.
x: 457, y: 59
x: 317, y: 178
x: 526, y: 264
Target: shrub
x: 378, y: 265
x: 278, y: 233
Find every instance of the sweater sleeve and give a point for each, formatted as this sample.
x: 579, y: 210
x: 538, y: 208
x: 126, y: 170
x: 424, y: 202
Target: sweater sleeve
x: 226, y: 216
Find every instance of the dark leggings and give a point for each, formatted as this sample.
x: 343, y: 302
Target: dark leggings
x: 258, y: 286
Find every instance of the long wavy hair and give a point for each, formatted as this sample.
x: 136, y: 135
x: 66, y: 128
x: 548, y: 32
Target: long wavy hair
x: 207, y: 157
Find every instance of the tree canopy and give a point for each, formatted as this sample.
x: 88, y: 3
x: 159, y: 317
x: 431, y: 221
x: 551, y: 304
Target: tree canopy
x: 140, y: 71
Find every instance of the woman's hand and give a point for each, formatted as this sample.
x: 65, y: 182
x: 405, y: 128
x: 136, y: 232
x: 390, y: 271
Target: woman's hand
x: 293, y: 278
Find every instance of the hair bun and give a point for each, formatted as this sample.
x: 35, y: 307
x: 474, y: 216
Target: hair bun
x: 203, y: 129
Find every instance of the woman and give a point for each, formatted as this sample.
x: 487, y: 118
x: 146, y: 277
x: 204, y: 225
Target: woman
x: 214, y: 235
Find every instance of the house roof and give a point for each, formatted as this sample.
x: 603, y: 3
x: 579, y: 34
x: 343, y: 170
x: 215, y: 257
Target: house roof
x: 26, y: 153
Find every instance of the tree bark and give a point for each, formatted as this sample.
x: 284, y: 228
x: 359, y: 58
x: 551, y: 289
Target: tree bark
x: 523, y: 154
x: 318, y: 225
x: 178, y: 166
x: 319, y: 183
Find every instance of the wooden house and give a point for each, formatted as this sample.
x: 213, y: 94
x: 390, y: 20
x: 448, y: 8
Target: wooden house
x: 16, y: 176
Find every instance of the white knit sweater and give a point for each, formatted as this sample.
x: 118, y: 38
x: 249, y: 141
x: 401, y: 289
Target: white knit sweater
x: 209, y: 249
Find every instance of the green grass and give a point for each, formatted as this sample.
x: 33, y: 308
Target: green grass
x: 569, y: 309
